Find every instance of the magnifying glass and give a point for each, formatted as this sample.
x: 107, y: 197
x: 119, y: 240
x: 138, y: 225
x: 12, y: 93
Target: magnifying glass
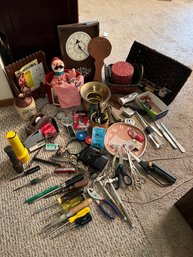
x: 68, y: 122
x: 73, y: 147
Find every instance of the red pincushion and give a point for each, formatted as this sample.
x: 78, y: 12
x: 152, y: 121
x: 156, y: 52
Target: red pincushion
x: 122, y: 73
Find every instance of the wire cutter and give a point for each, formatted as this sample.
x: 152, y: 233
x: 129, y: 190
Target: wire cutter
x: 101, y: 201
x: 120, y: 174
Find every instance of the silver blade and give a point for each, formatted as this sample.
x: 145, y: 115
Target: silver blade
x: 167, y: 137
x: 43, y: 208
x: 50, y: 233
x: 173, y: 138
x: 55, y: 222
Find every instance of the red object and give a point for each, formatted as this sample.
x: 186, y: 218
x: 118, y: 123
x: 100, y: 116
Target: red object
x: 80, y: 119
x: 65, y: 170
x: 136, y: 135
x: 122, y: 73
x: 48, y: 129
x: 88, y: 140
x: 47, y: 80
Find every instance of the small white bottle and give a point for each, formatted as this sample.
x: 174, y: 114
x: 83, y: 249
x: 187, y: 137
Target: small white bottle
x: 25, y: 106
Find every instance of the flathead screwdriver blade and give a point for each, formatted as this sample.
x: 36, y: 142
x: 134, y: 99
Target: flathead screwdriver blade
x: 43, y: 208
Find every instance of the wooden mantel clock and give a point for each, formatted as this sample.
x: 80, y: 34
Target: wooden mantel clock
x: 74, y: 39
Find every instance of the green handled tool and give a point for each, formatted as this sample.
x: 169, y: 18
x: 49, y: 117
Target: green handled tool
x: 43, y: 193
x: 34, y: 181
x: 56, y: 188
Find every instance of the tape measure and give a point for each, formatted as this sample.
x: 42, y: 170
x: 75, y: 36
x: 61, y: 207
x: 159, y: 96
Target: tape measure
x: 81, y: 135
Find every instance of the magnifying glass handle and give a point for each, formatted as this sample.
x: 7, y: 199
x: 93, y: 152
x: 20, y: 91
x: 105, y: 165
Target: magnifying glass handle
x: 71, y: 132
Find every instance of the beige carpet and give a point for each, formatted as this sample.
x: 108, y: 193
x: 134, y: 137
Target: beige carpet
x: 160, y: 229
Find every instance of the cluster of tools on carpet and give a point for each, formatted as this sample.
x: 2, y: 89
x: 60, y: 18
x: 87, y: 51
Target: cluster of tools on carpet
x: 106, y: 137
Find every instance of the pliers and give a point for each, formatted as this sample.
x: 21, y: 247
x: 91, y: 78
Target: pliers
x: 101, y: 201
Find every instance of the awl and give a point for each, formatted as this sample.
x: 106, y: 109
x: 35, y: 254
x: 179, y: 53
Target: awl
x: 26, y: 173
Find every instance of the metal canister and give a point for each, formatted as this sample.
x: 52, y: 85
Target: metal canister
x: 25, y: 106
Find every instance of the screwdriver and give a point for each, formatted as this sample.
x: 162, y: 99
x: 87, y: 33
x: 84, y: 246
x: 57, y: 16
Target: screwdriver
x: 79, y: 184
x: 67, y: 205
x: 55, y: 188
x: 72, y: 211
x: 26, y: 173
x: 79, y: 222
x: 34, y: 181
x: 60, y: 200
x: 72, y: 219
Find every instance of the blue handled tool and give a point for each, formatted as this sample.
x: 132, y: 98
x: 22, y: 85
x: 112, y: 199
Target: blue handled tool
x: 101, y: 202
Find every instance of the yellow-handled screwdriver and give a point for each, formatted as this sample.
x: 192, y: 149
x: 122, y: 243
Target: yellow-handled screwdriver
x: 72, y: 219
x: 76, y: 190
x: 71, y: 212
x: 67, y: 205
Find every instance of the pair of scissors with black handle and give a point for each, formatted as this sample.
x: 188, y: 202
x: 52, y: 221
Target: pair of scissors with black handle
x: 105, y: 205
x: 120, y: 174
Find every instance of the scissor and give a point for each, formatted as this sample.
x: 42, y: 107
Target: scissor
x: 121, y: 174
x: 137, y: 178
x: 101, y: 202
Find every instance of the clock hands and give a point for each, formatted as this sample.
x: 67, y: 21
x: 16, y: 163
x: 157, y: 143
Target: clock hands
x: 79, y: 47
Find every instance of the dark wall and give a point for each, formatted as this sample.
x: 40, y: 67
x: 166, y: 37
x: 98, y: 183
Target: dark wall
x: 30, y: 26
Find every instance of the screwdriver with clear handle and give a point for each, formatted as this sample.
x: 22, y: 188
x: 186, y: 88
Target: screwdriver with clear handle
x: 80, y: 222
x: 72, y: 219
x: 62, y: 199
x: 66, y: 206
x: 69, y: 213
x: 34, y: 181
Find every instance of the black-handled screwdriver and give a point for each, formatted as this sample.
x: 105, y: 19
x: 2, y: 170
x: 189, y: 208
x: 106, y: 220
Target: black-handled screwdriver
x: 56, y: 189
x: 80, y: 222
x: 60, y: 200
x: 26, y: 173
x: 153, y: 169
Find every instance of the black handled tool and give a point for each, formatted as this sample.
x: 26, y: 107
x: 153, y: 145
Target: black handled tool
x: 156, y: 171
x: 68, y: 183
x: 27, y: 172
x: 17, y: 165
x: 47, y: 162
x: 56, y: 189
x: 60, y: 200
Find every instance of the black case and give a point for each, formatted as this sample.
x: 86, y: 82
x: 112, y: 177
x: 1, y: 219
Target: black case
x: 93, y: 157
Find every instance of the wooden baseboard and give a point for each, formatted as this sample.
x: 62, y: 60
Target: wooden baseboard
x: 6, y: 102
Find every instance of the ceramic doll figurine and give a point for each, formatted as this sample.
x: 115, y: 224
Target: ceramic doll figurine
x: 66, y: 84
x: 58, y: 69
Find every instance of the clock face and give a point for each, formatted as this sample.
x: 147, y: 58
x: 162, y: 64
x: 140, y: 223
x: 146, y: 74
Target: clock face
x: 77, y: 46
x: 117, y: 134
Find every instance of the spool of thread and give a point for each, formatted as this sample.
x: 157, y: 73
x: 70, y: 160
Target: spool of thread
x: 17, y: 165
x: 20, y: 151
